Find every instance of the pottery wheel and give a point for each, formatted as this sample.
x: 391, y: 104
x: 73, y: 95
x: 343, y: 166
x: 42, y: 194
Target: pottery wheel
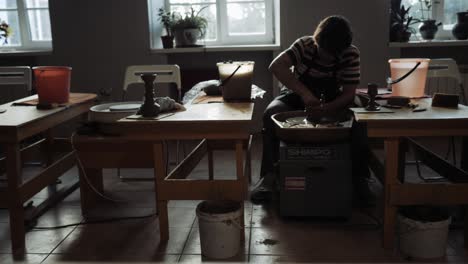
x: 302, y: 122
x: 125, y: 107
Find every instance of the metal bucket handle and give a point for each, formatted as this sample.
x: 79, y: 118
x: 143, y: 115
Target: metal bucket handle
x: 390, y: 81
x: 225, y: 81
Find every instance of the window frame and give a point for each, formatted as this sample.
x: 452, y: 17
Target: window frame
x: 24, y: 30
x: 445, y: 31
x: 223, y: 37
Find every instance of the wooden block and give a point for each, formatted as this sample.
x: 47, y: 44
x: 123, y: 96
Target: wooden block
x: 445, y: 100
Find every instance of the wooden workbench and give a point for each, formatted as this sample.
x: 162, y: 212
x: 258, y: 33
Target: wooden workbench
x: 22, y: 122
x: 394, y: 128
x: 131, y: 143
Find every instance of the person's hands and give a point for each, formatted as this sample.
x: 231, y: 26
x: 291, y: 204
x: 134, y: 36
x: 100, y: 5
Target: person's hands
x: 310, y: 101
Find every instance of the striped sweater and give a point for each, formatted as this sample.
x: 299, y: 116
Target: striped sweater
x: 308, y: 67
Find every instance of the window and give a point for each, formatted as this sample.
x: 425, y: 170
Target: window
x: 29, y: 21
x: 230, y: 22
x: 444, y: 11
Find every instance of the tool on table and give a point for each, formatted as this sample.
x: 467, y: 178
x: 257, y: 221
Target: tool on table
x: 2, y: 111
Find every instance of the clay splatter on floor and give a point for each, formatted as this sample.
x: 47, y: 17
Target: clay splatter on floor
x: 269, y: 242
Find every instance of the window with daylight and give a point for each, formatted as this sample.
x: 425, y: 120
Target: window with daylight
x: 28, y: 22
x: 230, y: 22
x: 444, y: 11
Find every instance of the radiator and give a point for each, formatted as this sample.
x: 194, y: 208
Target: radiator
x: 464, y: 76
x: 450, y: 85
x: 12, y: 92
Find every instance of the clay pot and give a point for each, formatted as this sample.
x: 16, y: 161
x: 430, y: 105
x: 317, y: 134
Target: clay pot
x: 167, y: 42
x: 460, y: 30
x: 428, y: 29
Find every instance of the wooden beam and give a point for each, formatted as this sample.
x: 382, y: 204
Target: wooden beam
x: 51, y: 201
x: 190, y: 162
x: 438, y: 164
x: 437, y: 194
x: 120, y: 159
x: 47, y: 176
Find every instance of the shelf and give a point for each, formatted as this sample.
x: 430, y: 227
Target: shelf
x: 24, y: 52
x: 270, y: 47
x: 428, y: 43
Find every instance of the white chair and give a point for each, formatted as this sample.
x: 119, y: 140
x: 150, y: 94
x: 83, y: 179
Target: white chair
x: 169, y: 74
x: 444, y: 76
x: 165, y: 74
x: 15, y: 75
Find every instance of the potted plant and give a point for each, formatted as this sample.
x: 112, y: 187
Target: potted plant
x: 428, y: 27
x: 5, y: 31
x: 400, y: 23
x: 167, y: 19
x: 188, y: 29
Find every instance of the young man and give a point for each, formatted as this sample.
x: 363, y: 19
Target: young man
x: 327, y: 69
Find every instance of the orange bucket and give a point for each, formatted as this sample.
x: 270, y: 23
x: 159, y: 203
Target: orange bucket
x: 52, y: 84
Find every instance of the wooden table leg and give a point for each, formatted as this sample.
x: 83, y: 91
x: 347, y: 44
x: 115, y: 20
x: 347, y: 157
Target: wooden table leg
x: 241, y: 178
x: 47, y: 148
x: 465, y: 239
x: 89, y: 197
x: 391, y: 174
x: 15, y: 203
x: 210, y: 162
x: 464, y: 166
x: 159, y: 175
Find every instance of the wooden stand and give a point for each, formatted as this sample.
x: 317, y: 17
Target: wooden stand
x: 395, y: 128
x: 22, y: 122
x: 139, y: 144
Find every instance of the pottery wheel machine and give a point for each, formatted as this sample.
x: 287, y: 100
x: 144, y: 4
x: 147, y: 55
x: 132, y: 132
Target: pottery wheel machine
x: 314, y: 165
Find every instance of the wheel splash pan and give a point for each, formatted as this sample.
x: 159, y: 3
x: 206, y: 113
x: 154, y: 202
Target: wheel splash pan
x: 293, y: 127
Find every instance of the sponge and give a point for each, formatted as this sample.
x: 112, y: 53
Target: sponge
x: 445, y: 100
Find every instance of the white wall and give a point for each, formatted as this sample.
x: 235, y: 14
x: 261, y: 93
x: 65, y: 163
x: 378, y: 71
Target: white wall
x: 99, y: 39
x: 369, y: 19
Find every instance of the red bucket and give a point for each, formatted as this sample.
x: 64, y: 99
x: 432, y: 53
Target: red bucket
x: 52, y: 83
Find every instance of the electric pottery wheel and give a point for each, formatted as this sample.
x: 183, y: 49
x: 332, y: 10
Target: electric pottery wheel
x: 111, y: 112
x: 296, y: 126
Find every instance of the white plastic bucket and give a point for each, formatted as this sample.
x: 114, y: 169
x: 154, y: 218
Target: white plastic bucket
x: 219, y: 226
x: 412, y: 86
x: 425, y: 240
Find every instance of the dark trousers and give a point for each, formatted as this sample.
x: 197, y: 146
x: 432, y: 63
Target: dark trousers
x: 289, y: 101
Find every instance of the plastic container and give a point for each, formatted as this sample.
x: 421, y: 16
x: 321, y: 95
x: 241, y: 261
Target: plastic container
x: 412, y: 86
x: 236, y: 78
x: 219, y: 226
x: 52, y: 84
x: 424, y: 240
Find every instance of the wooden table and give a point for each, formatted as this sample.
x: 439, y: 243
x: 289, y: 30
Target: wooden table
x: 140, y: 144
x: 17, y: 124
x: 395, y: 128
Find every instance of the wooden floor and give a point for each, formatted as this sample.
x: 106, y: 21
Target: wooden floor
x: 269, y: 238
